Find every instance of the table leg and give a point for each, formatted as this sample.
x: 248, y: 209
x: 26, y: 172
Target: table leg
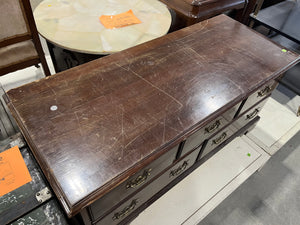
x: 257, y: 6
x: 51, y: 47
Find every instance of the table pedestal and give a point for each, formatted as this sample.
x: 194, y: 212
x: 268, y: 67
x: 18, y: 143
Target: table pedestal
x: 64, y: 59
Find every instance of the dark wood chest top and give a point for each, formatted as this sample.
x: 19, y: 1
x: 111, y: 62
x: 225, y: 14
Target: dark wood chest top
x: 93, y: 126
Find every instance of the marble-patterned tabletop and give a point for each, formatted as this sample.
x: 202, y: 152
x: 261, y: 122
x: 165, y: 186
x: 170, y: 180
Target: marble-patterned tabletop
x: 75, y: 24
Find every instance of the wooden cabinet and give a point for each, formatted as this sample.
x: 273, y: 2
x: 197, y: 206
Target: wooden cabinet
x: 196, y: 139
x: 202, y: 134
x: 189, y: 12
x: 216, y: 140
x: 141, y: 196
x: 132, y: 184
x: 114, y: 134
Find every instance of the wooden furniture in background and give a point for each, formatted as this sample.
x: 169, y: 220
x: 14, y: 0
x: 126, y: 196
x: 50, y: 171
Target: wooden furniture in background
x: 189, y: 12
x: 20, y: 45
x: 116, y: 133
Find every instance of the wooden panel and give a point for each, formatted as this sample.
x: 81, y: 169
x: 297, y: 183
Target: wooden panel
x: 105, y: 120
x: 133, y: 183
x: 141, y: 197
x: 208, y: 154
x: 258, y: 95
x: 203, y: 133
x: 249, y: 115
x: 216, y: 140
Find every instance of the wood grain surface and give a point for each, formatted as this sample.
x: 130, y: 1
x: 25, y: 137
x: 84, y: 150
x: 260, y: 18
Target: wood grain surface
x: 116, y: 114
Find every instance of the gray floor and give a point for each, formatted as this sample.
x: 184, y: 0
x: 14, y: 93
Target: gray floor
x: 270, y: 196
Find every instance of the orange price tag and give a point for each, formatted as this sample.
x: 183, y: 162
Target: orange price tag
x: 119, y: 20
x: 13, y: 171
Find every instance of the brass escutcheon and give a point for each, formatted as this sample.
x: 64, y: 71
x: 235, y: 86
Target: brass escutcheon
x: 213, y: 127
x: 180, y: 169
x: 263, y: 92
x: 139, y: 180
x: 220, y: 139
x: 126, y: 210
x: 253, y: 114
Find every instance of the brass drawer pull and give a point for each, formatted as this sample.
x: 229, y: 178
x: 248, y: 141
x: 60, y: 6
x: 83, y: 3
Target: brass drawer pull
x: 180, y: 169
x: 252, y: 115
x: 213, y: 127
x: 264, y: 91
x: 139, y: 180
x: 219, y: 139
x: 126, y: 210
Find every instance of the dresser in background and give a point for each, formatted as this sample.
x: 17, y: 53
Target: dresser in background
x: 188, y: 12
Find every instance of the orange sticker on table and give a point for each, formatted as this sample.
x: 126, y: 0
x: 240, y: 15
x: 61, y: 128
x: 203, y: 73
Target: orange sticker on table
x: 119, y: 20
x: 13, y: 170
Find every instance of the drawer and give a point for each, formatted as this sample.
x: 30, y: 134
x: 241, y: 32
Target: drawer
x: 216, y: 140
x: 249, y: 115
x: 125, y: 209
x: 259, y: 95
x: 133, y: 183
x: 203, y: 133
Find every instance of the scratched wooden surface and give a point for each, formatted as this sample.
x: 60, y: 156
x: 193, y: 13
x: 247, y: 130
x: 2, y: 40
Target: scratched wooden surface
x: 112, y: 116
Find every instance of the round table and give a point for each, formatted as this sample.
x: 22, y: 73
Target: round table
x: 74, y: 24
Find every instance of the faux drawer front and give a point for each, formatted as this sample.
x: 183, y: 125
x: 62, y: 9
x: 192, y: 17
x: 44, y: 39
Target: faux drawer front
x: 101, y: 206
x: 205, y: 132
x: 259, y: 95
x: 248, y: 115
x: 146, y: 193
x: 217, y: 140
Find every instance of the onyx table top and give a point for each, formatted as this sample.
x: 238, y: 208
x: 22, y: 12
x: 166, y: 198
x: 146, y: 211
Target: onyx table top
x: 93, y: 126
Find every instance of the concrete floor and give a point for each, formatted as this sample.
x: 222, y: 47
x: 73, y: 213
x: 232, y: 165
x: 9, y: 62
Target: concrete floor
x: 270, y: 196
